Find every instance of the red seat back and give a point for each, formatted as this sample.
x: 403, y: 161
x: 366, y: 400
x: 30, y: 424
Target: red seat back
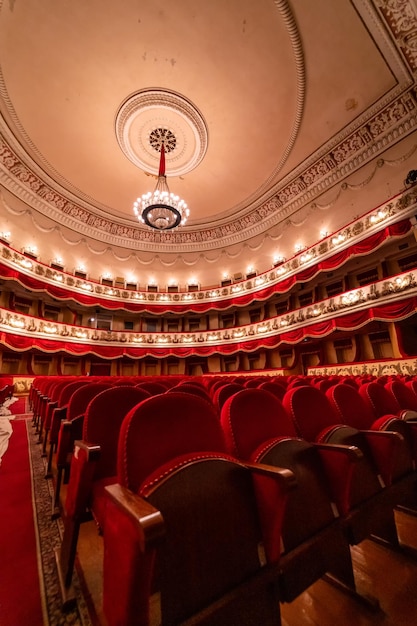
x: 406, y: 399
x: 224, y: 392
x: 379, y: 399
x: 152, y: 386
x: 102, y: 421
x: 68, y: 390
x: 250, y: 418
x: 81, y: 397
x: 181, y: 423
x: 277, y: 389
x: 310, y: 410
x: 350, y: 406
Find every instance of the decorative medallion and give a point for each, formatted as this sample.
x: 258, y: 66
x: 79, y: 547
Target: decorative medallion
x: 154, y: 116
x: 163, y: 137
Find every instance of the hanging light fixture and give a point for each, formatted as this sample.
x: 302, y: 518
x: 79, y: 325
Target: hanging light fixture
x: 161, y: 209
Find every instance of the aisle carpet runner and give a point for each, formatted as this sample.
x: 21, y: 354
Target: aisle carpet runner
x: 29, y: 593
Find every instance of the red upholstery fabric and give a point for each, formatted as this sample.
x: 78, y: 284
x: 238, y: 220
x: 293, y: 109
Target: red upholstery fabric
x: 315, y: 420
x: 404, y: 395
x: 277, y: 389
x: 54, y: 401
x: 260, y: 416
x: 58, y: 414
x: 412, y: 385
x: 77, y: 406
x: 196, y: 390
x: 310, y: 410
x: 224, y: 392
x: 102, y: 422
x: 258, y: 429
x: 172, y: 453
x: 152, y: 386
x: 192, y: 425
x: 391, y: 455
x: 350, y: 406
x: 379, y: 400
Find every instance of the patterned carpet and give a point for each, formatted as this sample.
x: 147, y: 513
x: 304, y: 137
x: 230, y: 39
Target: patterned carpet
x: 49, y: 535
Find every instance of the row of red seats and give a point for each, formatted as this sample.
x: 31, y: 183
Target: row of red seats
x: 365, y: 505
x: 239, y: 500
x: 326, y: 475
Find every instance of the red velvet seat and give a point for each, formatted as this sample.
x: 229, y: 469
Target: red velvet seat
x: 325, y: 384
x: 152, y: 386
x: 258, y: 429
x: 277, y: 389
x: 412, y: 385
x: 57, y: 414
x: 193, y: 389
x: 50, y: 406
x: 405, y: 397
x: 71, y: 429
x: 183, y: 523
x: 41, y: 399
x: 254, y: 382
x: 368, y: 510
x: 224, y: 392
x: 33, y: 391
x: 94, y: 465
x: 384, y: 402
x: 396, y: 467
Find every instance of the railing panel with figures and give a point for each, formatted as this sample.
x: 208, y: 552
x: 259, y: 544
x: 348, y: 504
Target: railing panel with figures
x: 388, y: 299
x: 362, y: 236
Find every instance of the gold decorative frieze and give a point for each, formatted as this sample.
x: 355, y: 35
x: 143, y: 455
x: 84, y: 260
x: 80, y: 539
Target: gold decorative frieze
x: 397, y: 288
x: 400, y: 207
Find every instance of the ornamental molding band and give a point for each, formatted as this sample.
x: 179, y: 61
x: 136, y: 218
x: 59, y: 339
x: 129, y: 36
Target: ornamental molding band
x: 401, y: 20
x: 396, y: 120
x: 387, y: 367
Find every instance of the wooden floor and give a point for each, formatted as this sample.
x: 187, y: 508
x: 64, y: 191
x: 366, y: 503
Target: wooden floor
x: 380, y: 573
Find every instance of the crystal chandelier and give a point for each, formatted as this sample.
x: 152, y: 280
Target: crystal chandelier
x: 161, y: 209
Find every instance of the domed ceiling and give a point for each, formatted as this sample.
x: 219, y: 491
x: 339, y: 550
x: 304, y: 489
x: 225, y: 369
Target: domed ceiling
x: 278, y: 112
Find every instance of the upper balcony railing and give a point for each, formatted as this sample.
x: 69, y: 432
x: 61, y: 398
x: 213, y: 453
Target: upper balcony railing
x: 279, y: 279
x: 370, y: 298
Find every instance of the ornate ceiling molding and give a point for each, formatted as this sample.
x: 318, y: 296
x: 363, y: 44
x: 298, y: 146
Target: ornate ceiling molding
x: 391, y: 118
x: 148, y: 110
x: 397, y: 119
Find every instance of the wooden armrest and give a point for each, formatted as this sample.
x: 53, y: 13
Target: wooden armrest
x: 148, y: 519
x: 284, y: 476
x: 387, y: 434
x: 352, y: 452
x: 92, y: 451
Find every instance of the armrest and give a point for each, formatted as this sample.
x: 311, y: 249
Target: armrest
x: 353, y: 453
x: 91, y: 450
x: 65, y: 441
x: 389, y: 452
x: 408, y: 415
x: 133, y: 530
x: 83, y: 466
x: 147, y: 519
x: 272, y: 486
x: 58, y: 415
x: 339, y: 462
x: 285, y: 477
